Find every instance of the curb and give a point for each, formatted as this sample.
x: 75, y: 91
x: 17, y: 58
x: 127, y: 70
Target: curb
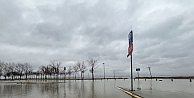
x: 129, y: 93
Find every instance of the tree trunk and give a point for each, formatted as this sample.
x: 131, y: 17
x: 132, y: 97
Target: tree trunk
x: 20, y: 77
x: 92, y: 73
x: 92, y: 76
x: 26, y: 76
x: 81, y: 75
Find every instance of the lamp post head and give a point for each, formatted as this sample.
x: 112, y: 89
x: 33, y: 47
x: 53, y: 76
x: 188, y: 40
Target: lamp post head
x: 103, y: 63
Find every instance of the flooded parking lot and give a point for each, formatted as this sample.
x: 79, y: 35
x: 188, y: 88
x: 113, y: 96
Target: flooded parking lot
x: 68, y: 89
x: 178, y: 88
x: 96, y: 89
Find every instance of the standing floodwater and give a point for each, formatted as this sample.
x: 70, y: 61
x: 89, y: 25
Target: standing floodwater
x: 69, y: 89
x: 97, y: 89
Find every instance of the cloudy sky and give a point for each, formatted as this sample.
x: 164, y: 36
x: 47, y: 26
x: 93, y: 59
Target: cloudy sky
x: 39, y: 31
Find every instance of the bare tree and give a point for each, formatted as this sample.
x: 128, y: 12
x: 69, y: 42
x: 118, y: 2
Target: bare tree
x: 52, y: 69
x: 81, y: 67
x: 55, y: 66
x: 43, y: 71
x: 19, y: 69
x: 1, y: 68
x: 11, y: 68
x: 27, y: 69
x: 69, y: 71
x: 5, y: 70
x: 78, y: 65
x: 49, y: 70
x: 75, y: 70
x: 92, y: 63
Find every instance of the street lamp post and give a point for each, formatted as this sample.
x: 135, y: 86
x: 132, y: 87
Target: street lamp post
x: 104, y: 70
x: 114, y: 74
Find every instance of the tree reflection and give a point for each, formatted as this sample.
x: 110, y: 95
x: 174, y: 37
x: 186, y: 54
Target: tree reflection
x: 52, y: 90
x: 82, y: 89
x: 69, y: 85
x: 77, y: 89
x: 92, y: 91
x: 15, y: 90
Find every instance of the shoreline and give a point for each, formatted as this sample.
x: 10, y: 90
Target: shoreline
x: 67, y: 79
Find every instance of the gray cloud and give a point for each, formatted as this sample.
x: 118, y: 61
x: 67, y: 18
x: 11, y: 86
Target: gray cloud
x: 67, y: 31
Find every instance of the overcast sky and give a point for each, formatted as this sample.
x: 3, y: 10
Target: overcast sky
x: 39, y: 31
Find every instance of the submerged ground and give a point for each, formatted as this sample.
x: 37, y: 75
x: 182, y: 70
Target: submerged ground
x: 96, y: 89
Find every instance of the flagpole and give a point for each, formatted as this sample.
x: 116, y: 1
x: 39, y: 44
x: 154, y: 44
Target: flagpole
x: 131, y: 75
x: 130, y: 50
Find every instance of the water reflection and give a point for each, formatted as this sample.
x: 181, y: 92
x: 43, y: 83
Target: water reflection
x: 82, y: 89
x: 104, y: 89
x: 15, y: 90
x: 76, y: 89
x: 64, y: 95
x: 0, y: 89
x: 151, y: 84
x: 69, y: 89
x: 92, y: 89
x: 52, y: 90
x: 138, y: 85
x: 69, y: 85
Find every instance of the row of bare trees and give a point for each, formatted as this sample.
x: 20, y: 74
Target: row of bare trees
x: 80, y: 66
x: 53, y: 69
x: 14, y: 69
